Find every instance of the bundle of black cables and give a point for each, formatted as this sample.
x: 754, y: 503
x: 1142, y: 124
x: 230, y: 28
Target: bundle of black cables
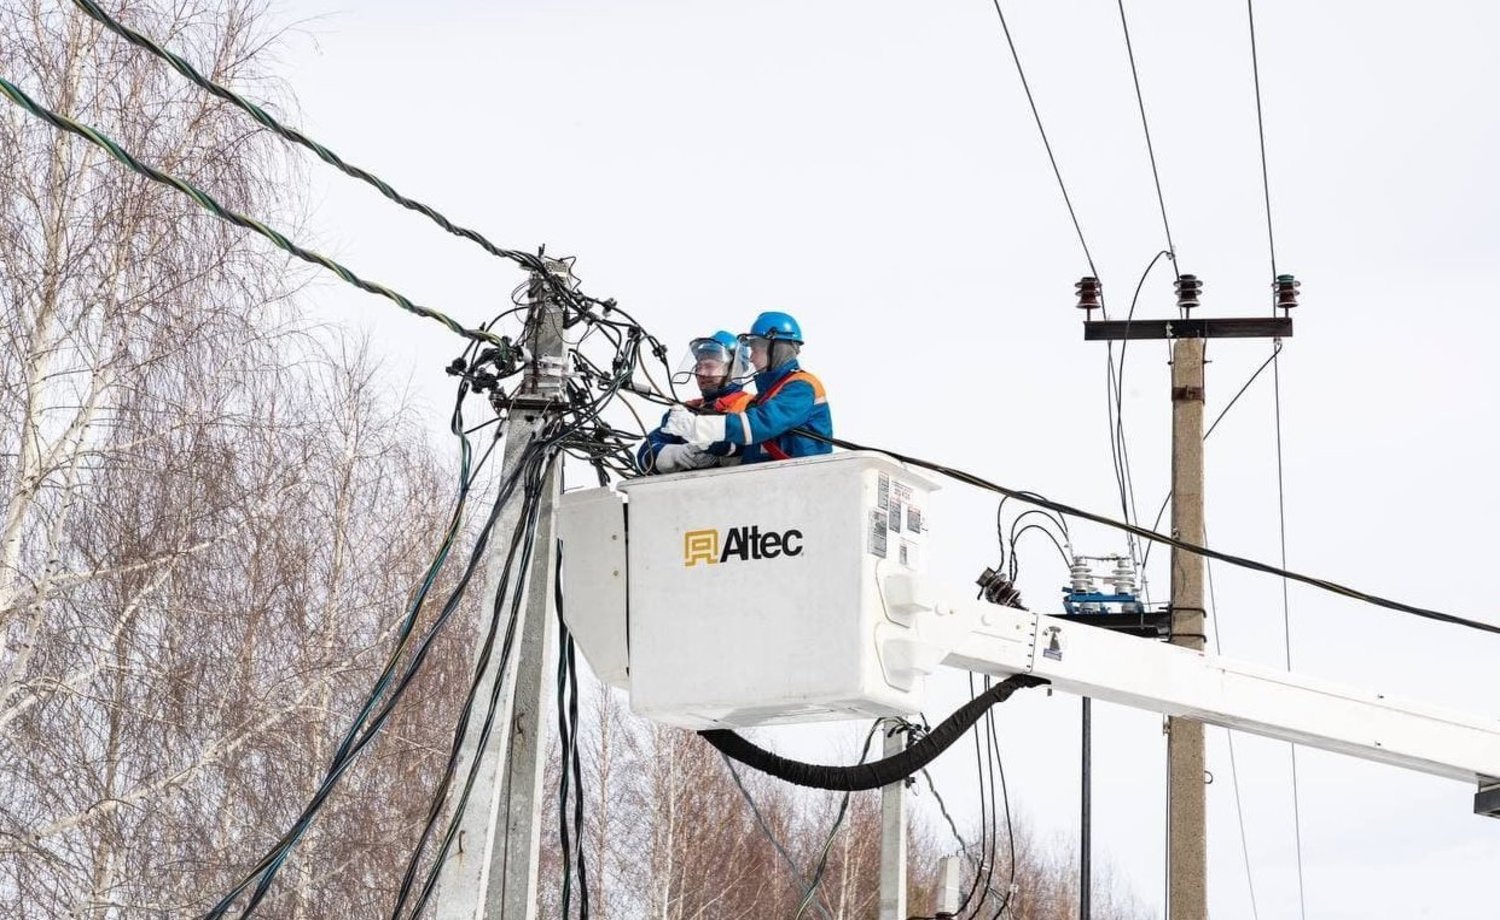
x: 575, y: 427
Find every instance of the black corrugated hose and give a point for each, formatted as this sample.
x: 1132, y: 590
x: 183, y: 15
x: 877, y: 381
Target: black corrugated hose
x: 860, y: 777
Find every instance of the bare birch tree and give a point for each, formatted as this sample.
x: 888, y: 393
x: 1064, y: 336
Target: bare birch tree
x: 670, y: 836
x: 211, y: 517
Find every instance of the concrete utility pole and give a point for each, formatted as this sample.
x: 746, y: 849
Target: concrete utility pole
x: 1187, y: 856
x: 491, y: 871
x: 893, y: 838
x: 1187, y: 864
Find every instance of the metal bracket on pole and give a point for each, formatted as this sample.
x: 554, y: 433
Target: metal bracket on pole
x: 950, y: 875
x: 1258, y: 327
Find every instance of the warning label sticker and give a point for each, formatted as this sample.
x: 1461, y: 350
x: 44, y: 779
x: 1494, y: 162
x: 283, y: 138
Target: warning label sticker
x: 913, y: 519
x: 883, y: 492
x: 878, y: 534
x: 897, y: 513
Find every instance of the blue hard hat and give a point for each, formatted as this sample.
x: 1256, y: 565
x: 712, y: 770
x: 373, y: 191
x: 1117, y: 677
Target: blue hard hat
x: 776, y: 325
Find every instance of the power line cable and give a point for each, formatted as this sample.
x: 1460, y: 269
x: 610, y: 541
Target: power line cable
x: 1031, y: 100
x: 1286, y: 615
x: 1119, y: 455
x: 838, y: 821
x: 1234, y: 772
x: 1146, y: 128
x: 526, y: 537
x: 581, y: 413
x: 1033, y: 498
x: 1010, y: 831
x: 265, y: 871
x: 467, y: 478
x: 1286, y: 620
x: 206, y: 201
x: 1207, y: 552
x: 1260, y: 124
x: 1117, y: 433
x: 519, y: 544
x: 94, y: 11
x: 765, y: 829
x: 1119, y: 445
x: 1167, y: 499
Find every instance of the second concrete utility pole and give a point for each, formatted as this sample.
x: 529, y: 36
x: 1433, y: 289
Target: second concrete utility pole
x: 1187, y: 863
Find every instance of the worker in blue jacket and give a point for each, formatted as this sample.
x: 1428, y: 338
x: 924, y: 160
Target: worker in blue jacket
x: 719, y: 368
x: 786, y: 398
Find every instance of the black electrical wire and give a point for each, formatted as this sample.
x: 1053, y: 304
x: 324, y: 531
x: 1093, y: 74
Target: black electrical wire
x: 765, y: 829
x: 963, y: 846
x: 467, y: 480
x: 268, y: 866
x: 990, y: 833
x: 1016, y: 535
x: 537, y: 468
x: 1254, y: 565
x: 1146, y: 129
x: 1056, y: 171
x: 1000, y: 534
x: 228, y: 215
x: 519, y: 545
x: 1260, y: 126
x: 883, y: 772
x: 1066, y: 510
x: 580, y: 414
x: 570, y: 780
x: 1114, y: 392
x: 1010, y: 831
x: 838, y: 822
x: 1167, y: 499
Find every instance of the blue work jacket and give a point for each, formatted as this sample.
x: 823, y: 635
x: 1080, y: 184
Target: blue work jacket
x: 786, y: 398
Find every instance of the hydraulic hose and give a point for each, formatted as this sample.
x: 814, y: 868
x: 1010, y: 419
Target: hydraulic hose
x: 879, y: 773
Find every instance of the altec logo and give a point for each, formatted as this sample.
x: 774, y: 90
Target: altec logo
x: 742, y: 543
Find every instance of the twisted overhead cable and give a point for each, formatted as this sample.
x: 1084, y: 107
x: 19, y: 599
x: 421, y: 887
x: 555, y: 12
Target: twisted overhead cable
x: 207, y: 201
x: 92, y: 9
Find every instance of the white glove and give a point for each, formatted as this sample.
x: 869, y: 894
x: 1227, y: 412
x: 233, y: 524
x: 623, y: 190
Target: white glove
x: 674, y: 458
x: 698, y: 430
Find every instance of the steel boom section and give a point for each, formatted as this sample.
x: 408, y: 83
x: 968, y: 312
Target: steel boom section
x: 1176, y: 681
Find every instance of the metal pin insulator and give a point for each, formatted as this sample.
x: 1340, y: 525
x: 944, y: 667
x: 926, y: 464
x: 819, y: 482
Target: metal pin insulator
x: 1286, y: 291
x: 1188, y: 289
x: 1090, y: 294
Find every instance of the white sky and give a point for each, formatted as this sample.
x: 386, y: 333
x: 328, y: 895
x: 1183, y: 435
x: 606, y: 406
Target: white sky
x: 872, y: 167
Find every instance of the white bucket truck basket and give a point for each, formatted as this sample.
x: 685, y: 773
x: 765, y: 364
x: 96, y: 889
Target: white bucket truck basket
x: 751, y: 595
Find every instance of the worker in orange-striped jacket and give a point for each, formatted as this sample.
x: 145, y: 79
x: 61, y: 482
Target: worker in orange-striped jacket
x: 787, y: 398
x: 717, y: 366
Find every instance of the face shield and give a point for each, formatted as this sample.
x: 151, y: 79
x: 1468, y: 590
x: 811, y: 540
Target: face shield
x: 762, y: 353
x: 711, y: 364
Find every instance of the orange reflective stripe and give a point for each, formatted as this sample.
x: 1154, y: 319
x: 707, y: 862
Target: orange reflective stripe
x: 734, y: 403
x: 818, y: 395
